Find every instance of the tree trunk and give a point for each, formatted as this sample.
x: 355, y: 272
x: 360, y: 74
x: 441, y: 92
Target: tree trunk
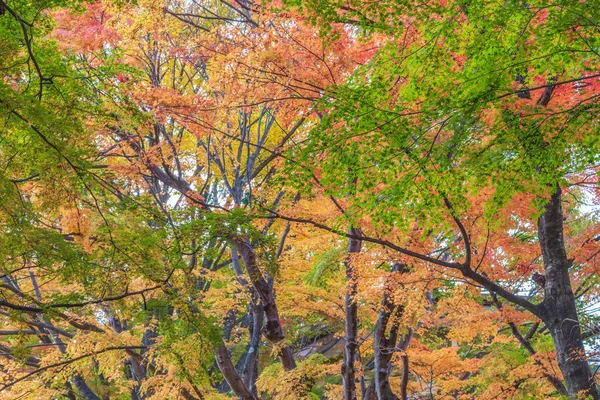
x: 404, y: 380
x: 231, y: 376
x: 248, y: 364
x: 272, y: 331
x: 385, y: 345
x: 83, y: 388
x: 558, y: 309
x: 351, y: 321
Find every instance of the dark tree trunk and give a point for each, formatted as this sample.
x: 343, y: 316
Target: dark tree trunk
x: 231, y: 376
x: 404, y: 381
x: 351, y: 321
x: 83, y: 388
x: 247, y: 366
x: 558, y: 309
x: 272, y: 330
x: 385, y: 344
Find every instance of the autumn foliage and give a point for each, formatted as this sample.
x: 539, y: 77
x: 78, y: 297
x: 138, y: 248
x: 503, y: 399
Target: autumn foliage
x: 299, y: 199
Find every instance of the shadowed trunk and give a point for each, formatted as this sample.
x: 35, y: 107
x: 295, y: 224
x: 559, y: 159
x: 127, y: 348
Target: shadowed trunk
x: 385, y: 345
x: 247, y: 365
x: 83, y: 388
x: 231, y: 376
x: 405, y: 371
x: 351, y: 321
x: 272, y: 330
x: 558, y: 309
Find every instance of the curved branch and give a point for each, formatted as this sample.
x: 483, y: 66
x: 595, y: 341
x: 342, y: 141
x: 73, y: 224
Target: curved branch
x: 463, y: 232
x: 364, y: 238
x: 466, y: 271
x: 44, y: 307
x: 66, y: 362
x: 25, y: 26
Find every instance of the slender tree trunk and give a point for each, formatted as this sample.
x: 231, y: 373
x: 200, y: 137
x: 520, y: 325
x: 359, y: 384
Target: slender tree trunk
x: 231, y: 376
x: 250, y: 372
x: 558, y: 309
x: 404, y: 380
x: 351, y: 321
x: 385, y: 344
x: 273, y: 330
x: 248, y: 362
x: 83, y: 388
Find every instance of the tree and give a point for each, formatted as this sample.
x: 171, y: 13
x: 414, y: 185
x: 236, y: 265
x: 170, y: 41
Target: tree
x: 301, y: 200
x: 196, y: 134
x: 466, y: 99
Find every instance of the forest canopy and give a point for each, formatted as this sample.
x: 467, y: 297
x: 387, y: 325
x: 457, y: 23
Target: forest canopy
x: 299, y: 199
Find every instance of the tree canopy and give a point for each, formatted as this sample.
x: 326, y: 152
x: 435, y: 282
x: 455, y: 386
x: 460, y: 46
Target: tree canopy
x: 299, y: 199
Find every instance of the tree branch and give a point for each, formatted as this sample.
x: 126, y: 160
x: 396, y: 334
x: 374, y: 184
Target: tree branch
x: 66, y: 362
x: 465, y: 270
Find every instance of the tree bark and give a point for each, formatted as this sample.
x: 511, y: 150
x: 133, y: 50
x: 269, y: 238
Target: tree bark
x: 83, y: 388
x: 272, y: 330
x: 231, y: 376
x: 385, y: 345
x: 351, y: 321
x: 247, y: 365
x: 404, y: 381
x: 558, y: 310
